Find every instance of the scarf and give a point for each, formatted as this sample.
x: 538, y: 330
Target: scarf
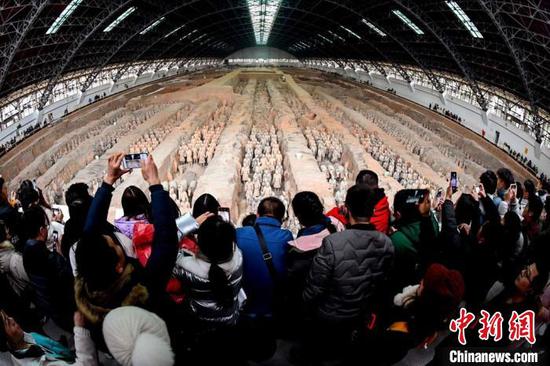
x: 126, y: 290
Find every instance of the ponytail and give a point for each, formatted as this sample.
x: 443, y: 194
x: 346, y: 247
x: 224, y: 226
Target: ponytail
x: 223, y: 294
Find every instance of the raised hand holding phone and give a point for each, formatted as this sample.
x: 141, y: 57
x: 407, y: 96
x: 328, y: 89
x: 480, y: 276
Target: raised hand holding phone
x: 114, y: 169
x: 149, y: 171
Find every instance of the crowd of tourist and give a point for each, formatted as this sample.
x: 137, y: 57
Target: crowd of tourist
x: 361, y: 281
x: 20, y: 135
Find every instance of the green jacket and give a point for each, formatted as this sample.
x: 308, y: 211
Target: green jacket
x: 405, y: 242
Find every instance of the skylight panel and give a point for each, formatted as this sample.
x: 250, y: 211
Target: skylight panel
x: 173, y: 31
x: 464, y: 19
x: 350, y: 32
x: 262, y: 15
x: 373, y: 27
x: 325, y: 38
x: 118, y: 20
x: 153, y: 25
x: 336, y: 36
x: 188, y: 34
x: 69, y: 9
x: 198, y: 38
x: 408, y: 22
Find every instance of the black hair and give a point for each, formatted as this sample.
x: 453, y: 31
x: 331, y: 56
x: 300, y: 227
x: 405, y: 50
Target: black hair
x: 506, y: 176
x: 310, y: 211
x: 27, y: 195
x: 406, y: 203
x: 530, y: 187
x: 489, y: 181
x: 78, y: 201
x: 32, y: 220
x: 216, y: 240
x: 96, y: 261
x: 205, y: 203
x: 249, y: 220
x: 134, y: 203
x: 519, y: 190
x: 273, y: 207
x: 77, y: 192
x: 360, y: 201
x: 465, y: 208
x: 3, y: 231
x: 367, y: 177
x: 535, y: 206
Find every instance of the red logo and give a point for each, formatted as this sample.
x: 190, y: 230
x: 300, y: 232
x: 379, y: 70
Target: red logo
x: 520, y: 326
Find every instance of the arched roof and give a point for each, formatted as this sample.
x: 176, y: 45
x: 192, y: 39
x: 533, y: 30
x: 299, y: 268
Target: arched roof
x: 513, y: 52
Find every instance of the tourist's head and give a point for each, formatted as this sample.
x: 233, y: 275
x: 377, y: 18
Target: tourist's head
x: 27, y: 195
x: 135, y: 203
x: 465, y: 209
x: 308, y: 208
x: 35, y: 223
x: 367, y: 177
x: 11, y: 333
x: 489, y: 181
x: 504, y: 179
x: 532, y: 278
x: 100, y: 260
x: 529, y: 188
x: 249, y: 220
x: 137, y: 337
x: 410, y: 205
x: 360, y: 202
x: 78, y: 200
x: 439, y: 295
x: 216, y: 240
x: 272, y: 207
x: 533, y: 210
x: 205, y: 203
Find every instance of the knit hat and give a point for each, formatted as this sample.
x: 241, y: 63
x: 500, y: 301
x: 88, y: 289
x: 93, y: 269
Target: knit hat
x: 444, y: 283
x: 136, y: 337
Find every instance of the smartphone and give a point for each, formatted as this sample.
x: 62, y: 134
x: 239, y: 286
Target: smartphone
x: 439, y: 194
x: 224, y: 214
x: 133, y: 161
x: 55, y: 236
x: 454, y: 182
x: 513, y: 186
x: 55, y: 210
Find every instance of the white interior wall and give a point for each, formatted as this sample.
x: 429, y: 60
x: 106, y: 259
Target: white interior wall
x: 472, y: 116
x: 80, y: 100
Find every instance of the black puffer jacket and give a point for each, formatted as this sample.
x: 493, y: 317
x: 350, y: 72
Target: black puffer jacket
x: 347, y: 271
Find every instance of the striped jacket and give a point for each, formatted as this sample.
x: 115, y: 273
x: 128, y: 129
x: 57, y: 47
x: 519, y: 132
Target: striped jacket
x: 192, y: 271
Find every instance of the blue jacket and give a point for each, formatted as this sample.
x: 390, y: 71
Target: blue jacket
x: 257, y: 282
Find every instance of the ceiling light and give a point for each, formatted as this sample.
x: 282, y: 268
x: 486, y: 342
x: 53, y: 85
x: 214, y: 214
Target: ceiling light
x: 262, y: 15
x: 465, y: 19
x: 119, y: 19
x: 69, y: 9
x: 157, y: 22
x: 408, y: 22
x: 350, y: 32
x: 373, y: 27
x: 174, y: 31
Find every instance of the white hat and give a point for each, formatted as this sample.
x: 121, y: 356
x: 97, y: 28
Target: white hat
x: 136, y: 337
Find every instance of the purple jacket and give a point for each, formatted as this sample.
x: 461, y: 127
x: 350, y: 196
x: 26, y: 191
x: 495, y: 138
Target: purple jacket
x: 126, y: 226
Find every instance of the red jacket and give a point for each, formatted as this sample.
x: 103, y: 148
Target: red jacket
x: 380, y: 218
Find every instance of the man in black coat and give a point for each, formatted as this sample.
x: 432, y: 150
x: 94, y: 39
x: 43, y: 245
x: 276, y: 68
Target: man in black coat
x: 347, y: 272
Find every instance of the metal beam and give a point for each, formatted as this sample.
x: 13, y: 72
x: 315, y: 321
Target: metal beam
x: 21, y: 30
x: 414, y: 9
